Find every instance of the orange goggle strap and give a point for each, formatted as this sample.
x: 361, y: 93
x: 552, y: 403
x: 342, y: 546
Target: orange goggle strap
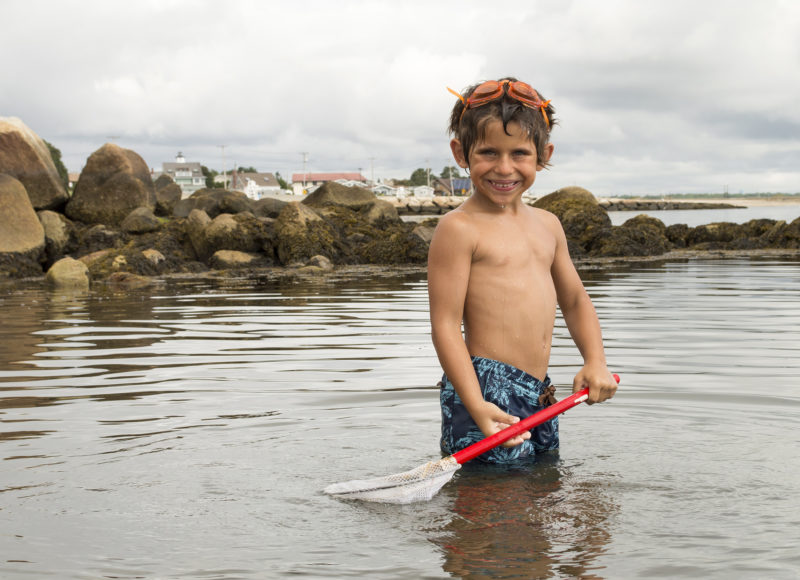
x: 541, y: 105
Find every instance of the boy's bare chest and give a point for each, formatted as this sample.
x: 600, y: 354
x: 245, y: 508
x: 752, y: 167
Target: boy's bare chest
x: 514, y: 248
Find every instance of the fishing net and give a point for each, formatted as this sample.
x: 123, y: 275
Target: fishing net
x: 418, y: 484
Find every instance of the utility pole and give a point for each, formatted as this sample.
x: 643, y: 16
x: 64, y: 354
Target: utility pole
x: 372, y: 170
x: 224, y: 178
x: 428, y: 171
x: 305, y: 160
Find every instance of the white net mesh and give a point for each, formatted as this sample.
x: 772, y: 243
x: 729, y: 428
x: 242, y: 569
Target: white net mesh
x: 418, y: 484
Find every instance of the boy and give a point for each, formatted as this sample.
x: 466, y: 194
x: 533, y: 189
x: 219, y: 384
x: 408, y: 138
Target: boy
x: 500, y: 267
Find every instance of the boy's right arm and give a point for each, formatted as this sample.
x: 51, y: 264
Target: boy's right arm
x: 449, y: 265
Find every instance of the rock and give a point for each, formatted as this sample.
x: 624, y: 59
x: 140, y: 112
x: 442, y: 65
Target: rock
x: 232, y: 259
x: 427, y: 206
x: 58, y: 233
x: 380, y: 211
x: 357, y: 199
x: 154, y: 256
x: 140, y: 220
x: 268, y: 207
x: 195, y: 227
x: 25, y: 156
x: 321, y: 262
x: 424, y: 232
x: 98, y: 237
x: 213, y: 202
x: 90, y: 259
x: 168, y: 194
x: 676, y: 234
x: 413, y: 205
x: 20, y: 229
x: 582, y: 218
x: 229, y: 232
x: 639, y: 236
x: 128, y: 280
x: 114, y: 182
x: 68, y: 273
x: 712, y: 236
x: 119, y: 263
x: 301, y: 234
x: 241, y: 232
x: 333, y: 193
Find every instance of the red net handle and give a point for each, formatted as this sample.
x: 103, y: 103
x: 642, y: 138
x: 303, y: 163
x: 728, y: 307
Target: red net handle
x: 526, y: 424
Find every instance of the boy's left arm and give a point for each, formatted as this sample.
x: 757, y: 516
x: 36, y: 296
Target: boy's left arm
x: 583, y: 324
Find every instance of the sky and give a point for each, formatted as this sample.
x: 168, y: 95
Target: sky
x: 652, y: 97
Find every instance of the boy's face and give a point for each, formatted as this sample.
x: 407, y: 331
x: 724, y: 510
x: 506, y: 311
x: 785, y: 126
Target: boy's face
x: 502, y: 167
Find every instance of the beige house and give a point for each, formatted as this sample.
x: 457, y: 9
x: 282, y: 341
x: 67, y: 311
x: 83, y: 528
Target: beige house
x: 255, y: 185
x: 188, y: 175
x: 303, y: 183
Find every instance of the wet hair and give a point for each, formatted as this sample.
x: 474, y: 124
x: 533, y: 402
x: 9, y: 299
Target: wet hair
x: 470, y: 128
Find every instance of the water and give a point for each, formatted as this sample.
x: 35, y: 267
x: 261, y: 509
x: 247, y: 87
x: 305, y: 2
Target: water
x: 699, y: 217
x: 186, y: 432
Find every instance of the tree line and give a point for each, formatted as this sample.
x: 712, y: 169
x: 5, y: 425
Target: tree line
x: 423, y: 176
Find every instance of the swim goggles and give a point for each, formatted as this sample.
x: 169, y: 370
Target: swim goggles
x: 492, y: 90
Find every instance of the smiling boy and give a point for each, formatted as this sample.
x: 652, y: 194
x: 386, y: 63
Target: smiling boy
x: 500, y: 268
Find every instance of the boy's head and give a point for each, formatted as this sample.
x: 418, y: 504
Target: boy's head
x: 507, y: 100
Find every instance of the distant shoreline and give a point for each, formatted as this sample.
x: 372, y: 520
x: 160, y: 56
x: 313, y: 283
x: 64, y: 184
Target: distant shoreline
x: 743, y: 201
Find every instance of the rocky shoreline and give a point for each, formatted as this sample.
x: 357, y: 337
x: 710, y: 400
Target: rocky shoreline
x: 442, y: 204
x: 122, y: 229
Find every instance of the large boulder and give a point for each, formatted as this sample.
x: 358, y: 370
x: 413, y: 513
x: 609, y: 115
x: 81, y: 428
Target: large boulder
x: 642, y: 235
x: 21, y: 234
x: 140, y: 221
x: 270, y: 207
x: 196, y: 224
x: 213, y: 202
x: 58, y: 234
x: 333, y: 193
x: 24, y: 155
x: 240, y: 232
x: 168, y: 194
x: 583, y: 219
x: 301, y: 234
x: 114, y: 182
x: 783, y: 235
x: 364, y: 202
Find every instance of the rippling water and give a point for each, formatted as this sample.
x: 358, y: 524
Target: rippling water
x: 186, y: 432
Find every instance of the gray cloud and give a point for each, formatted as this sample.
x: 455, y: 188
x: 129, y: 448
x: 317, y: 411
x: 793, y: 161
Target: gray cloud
x: 653, y: 97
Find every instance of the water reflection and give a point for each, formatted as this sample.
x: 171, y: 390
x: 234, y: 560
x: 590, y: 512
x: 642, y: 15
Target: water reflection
x: 531, y: 521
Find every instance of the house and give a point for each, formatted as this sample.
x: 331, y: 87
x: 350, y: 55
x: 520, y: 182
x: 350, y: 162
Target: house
x: 422, y: 191
x: 223, y: 180
x: 455, y: 186
x: 383, y: 189
x: 305, y: 182
x: 255, y: 185
x: 188, y: 176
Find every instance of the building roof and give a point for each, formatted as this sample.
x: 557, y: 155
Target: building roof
x: 313, y: 177
x: 172, y: 167
x: 458, y: 184
x: 260, y: 179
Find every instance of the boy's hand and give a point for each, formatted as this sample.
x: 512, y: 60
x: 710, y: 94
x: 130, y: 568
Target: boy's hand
x: 600, y: 381
x: 490, y: 419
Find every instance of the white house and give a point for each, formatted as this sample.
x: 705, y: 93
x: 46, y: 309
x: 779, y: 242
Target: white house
x: 188, y: 175
x: 383, y: 189
x: 255, y: 185
x: 303, y: 183
x: 422, y: 191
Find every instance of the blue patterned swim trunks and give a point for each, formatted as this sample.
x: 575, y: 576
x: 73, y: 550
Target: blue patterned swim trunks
x: 515, y: 392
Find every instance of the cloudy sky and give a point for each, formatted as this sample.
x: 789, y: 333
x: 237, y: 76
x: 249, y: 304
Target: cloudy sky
x: 653, y: 97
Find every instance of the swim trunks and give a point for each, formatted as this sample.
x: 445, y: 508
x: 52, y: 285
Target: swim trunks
x: 515, y: 392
